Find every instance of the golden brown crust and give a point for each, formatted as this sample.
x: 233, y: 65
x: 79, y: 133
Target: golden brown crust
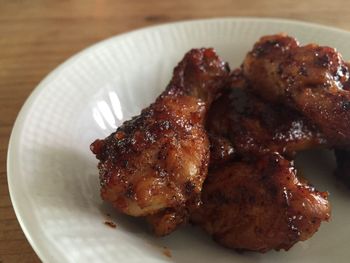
x: 166, y: 221
x: 155, y: 164
x: 221, y: 150
x: 309, y: 78
x: 260, y: 205
x: 159, y: 159
x: 254, y: 126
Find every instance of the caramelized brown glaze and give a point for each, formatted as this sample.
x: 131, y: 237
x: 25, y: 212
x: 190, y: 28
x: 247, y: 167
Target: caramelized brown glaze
x: 255, y: 127
x: 260, y: 205
x: 157, y: 161
x: 167, y: 220
x: 284, y: 99
x: 221, y: 150
x: 308, y: 78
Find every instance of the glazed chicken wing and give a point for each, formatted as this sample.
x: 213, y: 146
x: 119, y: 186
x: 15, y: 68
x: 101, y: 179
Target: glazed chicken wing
x: 154, y: 165
x: 254, y: 126
x: 260, y: 205
x: 309, y: 79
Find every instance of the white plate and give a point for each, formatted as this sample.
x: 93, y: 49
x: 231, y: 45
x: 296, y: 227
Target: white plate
x: 53, y: 177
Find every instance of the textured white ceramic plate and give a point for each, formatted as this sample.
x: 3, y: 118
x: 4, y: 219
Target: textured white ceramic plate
x: 53, y: 177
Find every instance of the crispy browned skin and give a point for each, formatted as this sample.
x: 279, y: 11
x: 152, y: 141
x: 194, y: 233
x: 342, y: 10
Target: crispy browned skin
x: 221, y: 150
x: 155, y: 164
x: 254, y: 126
x: 167, y: 220
x: 260, y: 205
x: 308, y: 78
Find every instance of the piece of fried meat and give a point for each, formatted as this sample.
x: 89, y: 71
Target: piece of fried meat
x: 311, y: 79
x: 154, y: 165
x: 260, y: 205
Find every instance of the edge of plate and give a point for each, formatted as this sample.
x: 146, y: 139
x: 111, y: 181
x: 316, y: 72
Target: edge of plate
x: 22, y: 114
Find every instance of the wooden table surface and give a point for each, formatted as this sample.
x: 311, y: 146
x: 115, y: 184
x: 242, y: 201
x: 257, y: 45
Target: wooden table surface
x: 36, y: 36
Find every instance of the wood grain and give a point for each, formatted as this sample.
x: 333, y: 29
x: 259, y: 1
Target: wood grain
x: 36, y: 36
